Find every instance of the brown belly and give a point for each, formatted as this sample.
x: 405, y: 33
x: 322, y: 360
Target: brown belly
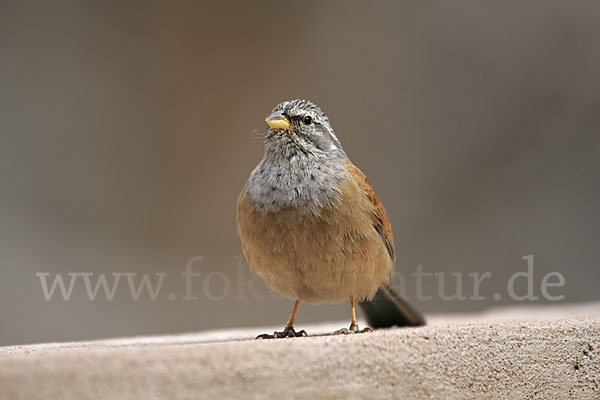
x: 324, y: 256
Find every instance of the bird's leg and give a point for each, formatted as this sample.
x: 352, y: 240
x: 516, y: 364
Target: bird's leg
x: 353, y: 325
x: 288, y: 331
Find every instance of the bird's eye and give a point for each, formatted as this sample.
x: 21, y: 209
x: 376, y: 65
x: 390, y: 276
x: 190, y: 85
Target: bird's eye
x: 307, y: 120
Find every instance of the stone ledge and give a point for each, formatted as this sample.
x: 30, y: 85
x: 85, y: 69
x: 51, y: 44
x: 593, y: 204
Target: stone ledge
x: 551, y: 357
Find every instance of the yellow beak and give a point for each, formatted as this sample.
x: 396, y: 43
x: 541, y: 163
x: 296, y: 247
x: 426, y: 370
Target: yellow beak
x: 278, y: 123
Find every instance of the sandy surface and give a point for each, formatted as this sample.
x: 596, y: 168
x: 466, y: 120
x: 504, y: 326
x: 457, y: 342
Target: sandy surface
x: 535, y: 352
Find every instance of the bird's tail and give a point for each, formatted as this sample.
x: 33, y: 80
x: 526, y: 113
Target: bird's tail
x: 387, y: 309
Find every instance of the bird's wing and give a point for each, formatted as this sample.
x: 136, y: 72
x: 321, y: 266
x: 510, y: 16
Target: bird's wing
x: 379, y: 218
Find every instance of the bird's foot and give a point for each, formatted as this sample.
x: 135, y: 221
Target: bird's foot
x: 353, y: 329
x: 288, y: 332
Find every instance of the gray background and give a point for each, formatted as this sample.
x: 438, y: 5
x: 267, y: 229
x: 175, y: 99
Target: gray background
x: 127, y: 130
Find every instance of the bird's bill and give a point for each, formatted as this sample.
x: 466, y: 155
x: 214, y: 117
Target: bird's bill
x: 278, y: 122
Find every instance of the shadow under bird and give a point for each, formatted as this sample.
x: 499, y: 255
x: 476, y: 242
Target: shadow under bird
x: 312, y: 227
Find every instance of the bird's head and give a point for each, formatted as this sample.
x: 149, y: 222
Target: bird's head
x: 302, y: 124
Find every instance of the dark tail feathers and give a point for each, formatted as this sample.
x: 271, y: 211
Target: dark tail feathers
x: 388, y: 309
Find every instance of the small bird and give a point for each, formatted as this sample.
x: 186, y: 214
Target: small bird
x: 312, y: 227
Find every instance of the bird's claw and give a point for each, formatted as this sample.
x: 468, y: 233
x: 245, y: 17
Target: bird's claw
x: 353, y: 329
x: 288, y: 332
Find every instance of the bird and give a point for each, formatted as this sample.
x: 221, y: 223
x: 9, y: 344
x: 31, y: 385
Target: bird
x: 312, y: 227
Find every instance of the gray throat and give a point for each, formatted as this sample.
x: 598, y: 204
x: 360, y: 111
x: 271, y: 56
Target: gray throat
x: 294, y: 178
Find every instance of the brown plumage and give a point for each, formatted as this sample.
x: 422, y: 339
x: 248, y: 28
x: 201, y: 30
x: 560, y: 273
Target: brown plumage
x: 379, y: 217
x: 343, y: 249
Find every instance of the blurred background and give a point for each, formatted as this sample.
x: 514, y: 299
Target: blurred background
x: 127, y: 130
